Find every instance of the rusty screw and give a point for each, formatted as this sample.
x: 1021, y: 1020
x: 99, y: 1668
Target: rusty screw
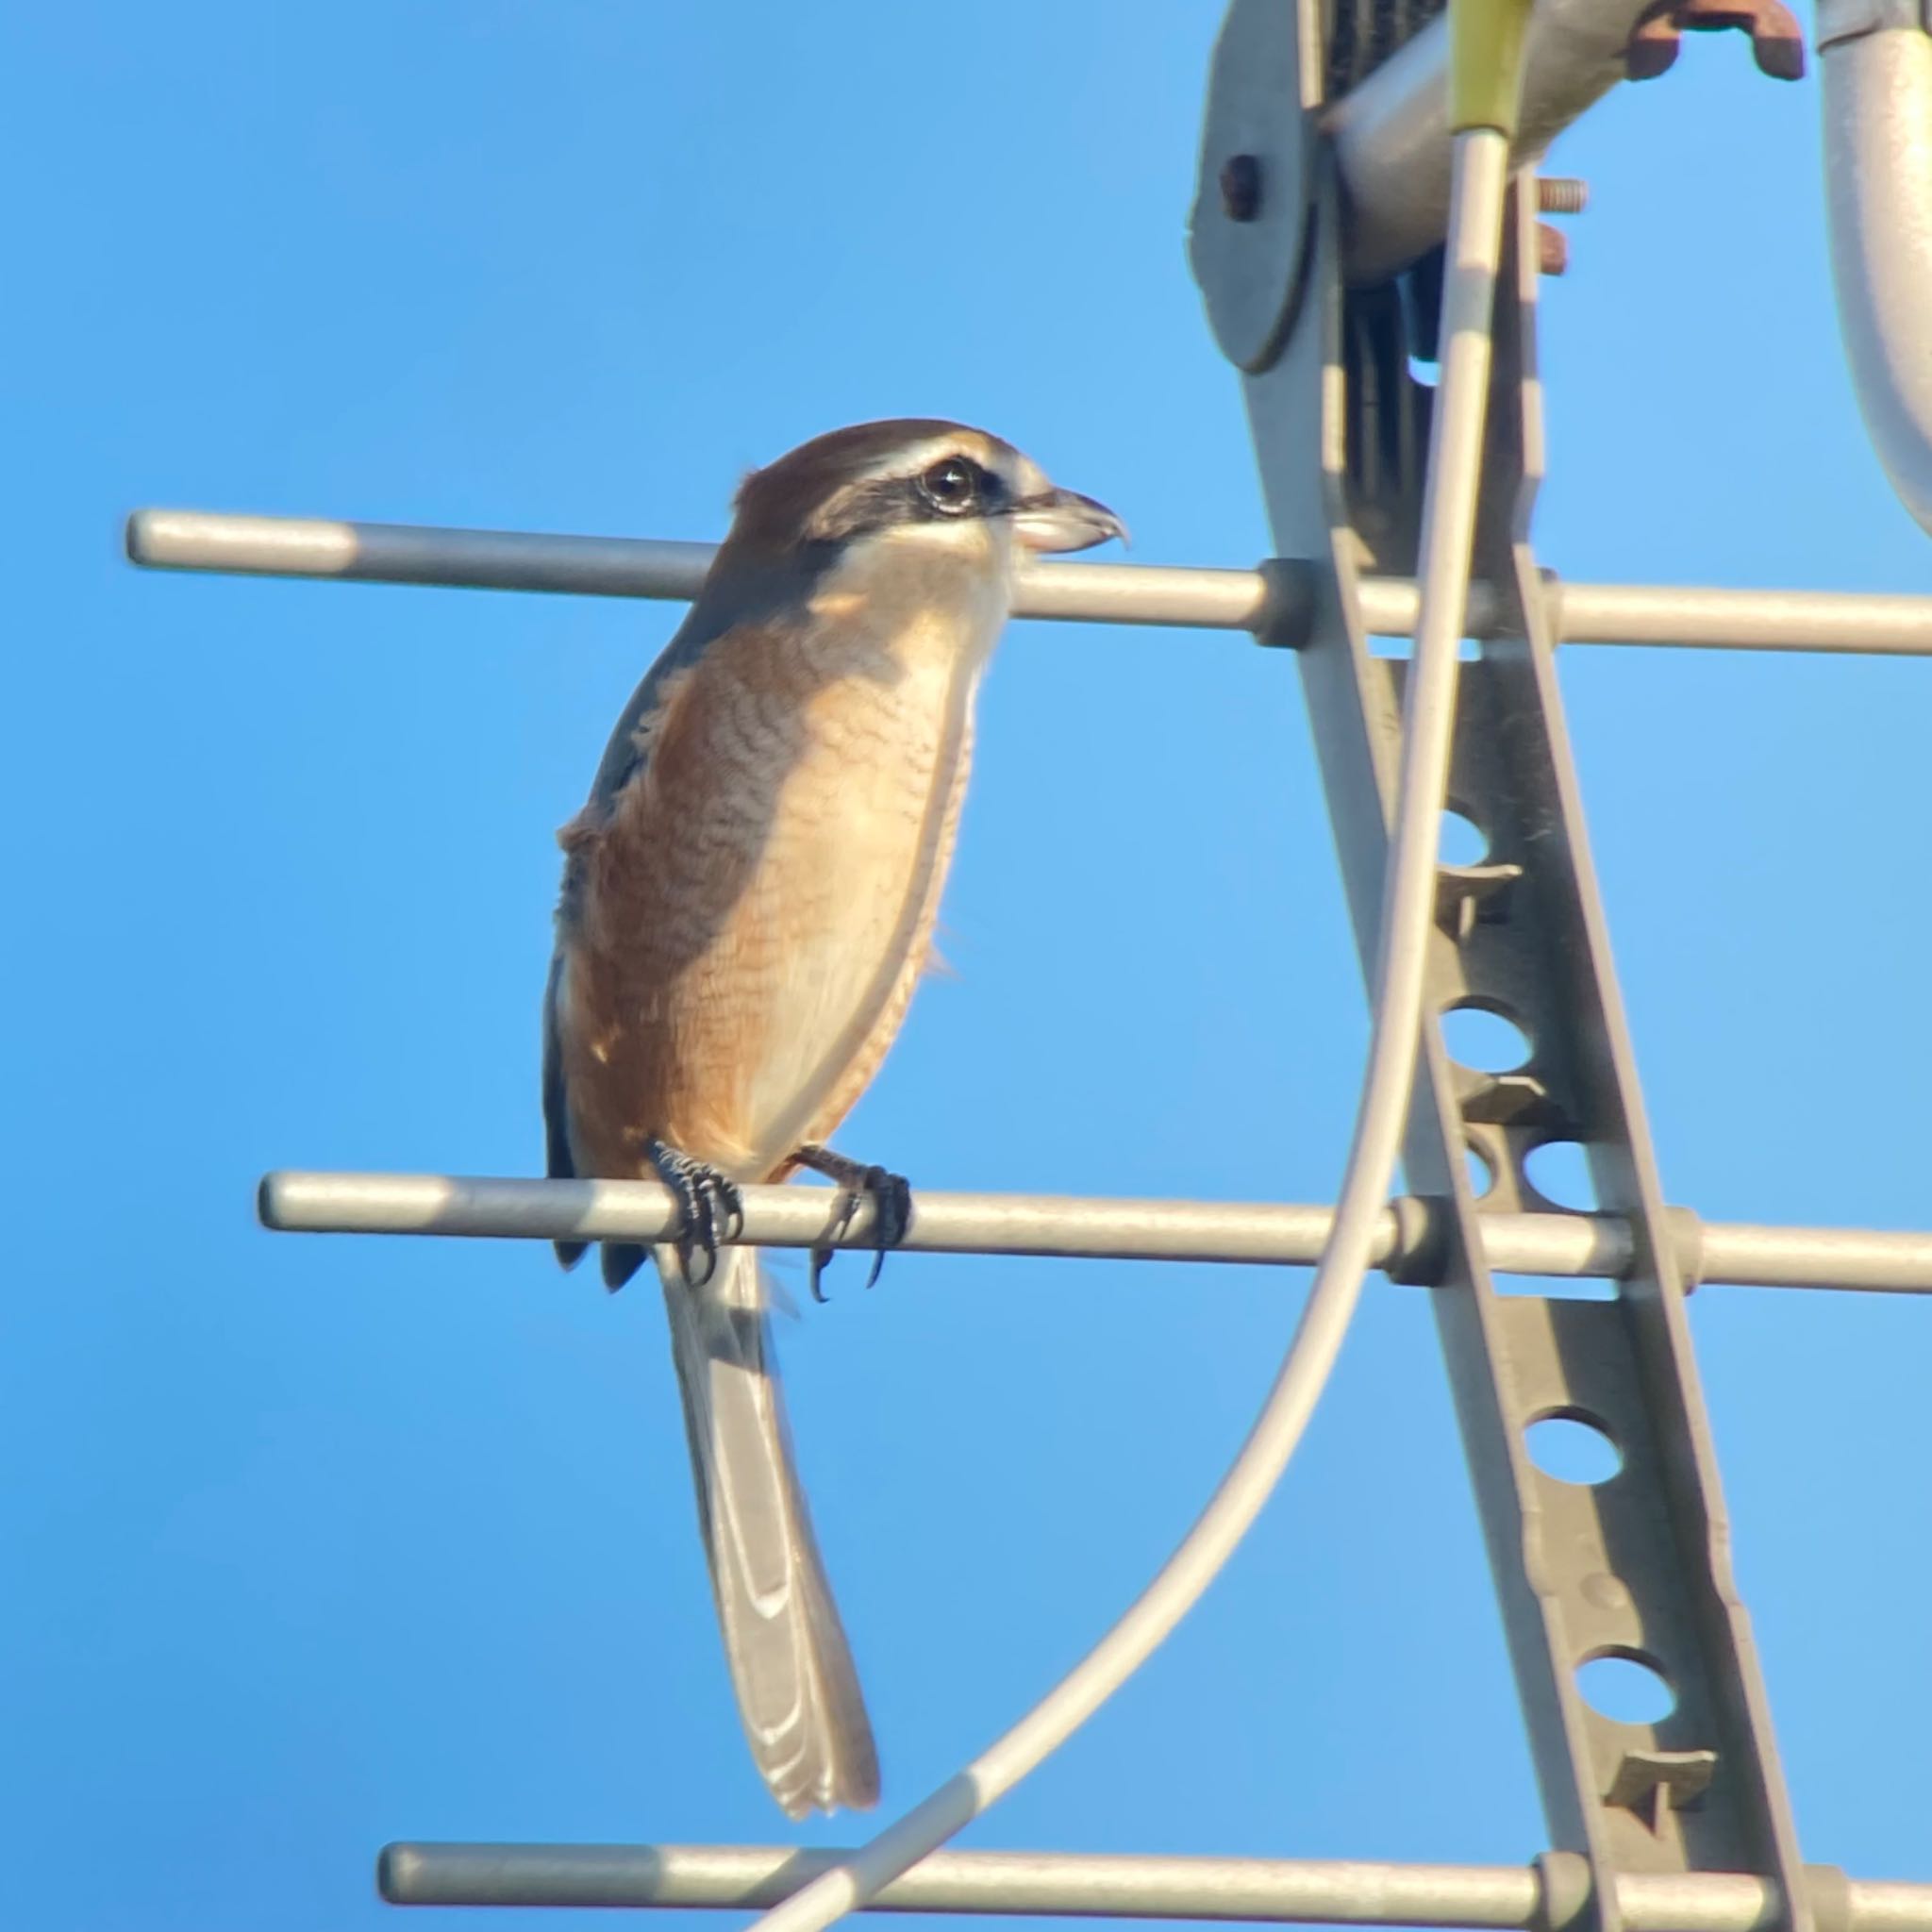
x: 1241, y: 188
x: 1562, y: 194
x: 1552, y: 250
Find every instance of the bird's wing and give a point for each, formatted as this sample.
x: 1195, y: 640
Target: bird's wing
x: 625, y: 758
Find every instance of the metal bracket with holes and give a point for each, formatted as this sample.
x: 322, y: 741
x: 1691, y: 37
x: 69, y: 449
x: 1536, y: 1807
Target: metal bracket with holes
x: 1635, y: 1567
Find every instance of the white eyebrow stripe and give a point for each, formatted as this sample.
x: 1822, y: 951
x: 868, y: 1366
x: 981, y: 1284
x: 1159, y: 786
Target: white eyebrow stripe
x: 1018, y: 475
x: 912, y: 458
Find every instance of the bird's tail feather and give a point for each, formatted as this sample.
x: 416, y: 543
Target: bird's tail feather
x: 797, y: 1689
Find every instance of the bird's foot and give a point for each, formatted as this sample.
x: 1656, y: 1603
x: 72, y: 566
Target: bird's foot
x: 892, y: 1204
x: 711, y: 1202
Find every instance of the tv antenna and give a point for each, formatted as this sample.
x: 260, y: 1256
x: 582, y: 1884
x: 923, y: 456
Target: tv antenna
x: 1369, y: 207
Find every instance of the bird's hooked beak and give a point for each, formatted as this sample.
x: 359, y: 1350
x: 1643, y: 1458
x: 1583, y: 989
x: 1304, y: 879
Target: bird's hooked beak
x: 1064, y: 520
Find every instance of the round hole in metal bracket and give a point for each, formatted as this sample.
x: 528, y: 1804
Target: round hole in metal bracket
x: 1483, y: 1040
x: 1560, y: 1172
x: 1463, y: 843
x: 1425, y: 372
x: 1482, y: 1177
x: 1626, y: 1685
x: 1574, y: 1446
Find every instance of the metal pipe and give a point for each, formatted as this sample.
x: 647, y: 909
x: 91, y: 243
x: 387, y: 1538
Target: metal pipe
x: 1816, y: 1258
x: 1274, y: 601
x: 1496, y: 1898
x: 633, y: 567
x: 1279, y: 1234
x: 1877, y: 107
x: 1871, y: 624
x: 416, y: 554
x: 1390, y: 134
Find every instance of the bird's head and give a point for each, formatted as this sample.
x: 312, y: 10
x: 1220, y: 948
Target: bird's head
x: 931, y: 487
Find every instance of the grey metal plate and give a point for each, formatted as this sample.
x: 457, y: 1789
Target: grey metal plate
x: 1250, y: 271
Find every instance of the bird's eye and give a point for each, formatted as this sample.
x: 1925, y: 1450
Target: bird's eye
x: 951, y: 487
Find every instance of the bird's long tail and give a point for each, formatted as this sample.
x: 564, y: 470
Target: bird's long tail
x: 797, y: 1689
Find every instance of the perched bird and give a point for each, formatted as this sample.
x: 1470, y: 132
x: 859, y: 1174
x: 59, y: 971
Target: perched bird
x: 748, y: 899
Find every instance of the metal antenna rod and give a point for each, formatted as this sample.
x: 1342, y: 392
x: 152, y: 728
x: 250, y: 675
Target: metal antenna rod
x: 1276, y: 602
x: 1407, y: 1243
x: 1353, y: 1891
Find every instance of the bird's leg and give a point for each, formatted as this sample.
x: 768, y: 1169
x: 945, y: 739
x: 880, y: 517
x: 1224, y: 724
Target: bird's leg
x: 708, y: 1198
x: 892, y: 1203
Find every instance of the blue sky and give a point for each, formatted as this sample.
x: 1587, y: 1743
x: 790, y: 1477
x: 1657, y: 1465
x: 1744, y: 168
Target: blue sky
x: 315, y: 1543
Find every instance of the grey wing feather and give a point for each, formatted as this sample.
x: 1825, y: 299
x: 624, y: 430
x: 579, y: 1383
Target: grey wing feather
x: 558, y: 1163
x: 791, y: 1664
x: 621, y: 1259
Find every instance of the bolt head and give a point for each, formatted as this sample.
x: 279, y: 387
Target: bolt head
x: 1241, y: 188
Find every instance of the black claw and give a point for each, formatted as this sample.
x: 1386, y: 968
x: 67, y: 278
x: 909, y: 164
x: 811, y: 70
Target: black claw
x: 821, y: 1260
x: 890, y: 1195
x: 708, y: 1201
